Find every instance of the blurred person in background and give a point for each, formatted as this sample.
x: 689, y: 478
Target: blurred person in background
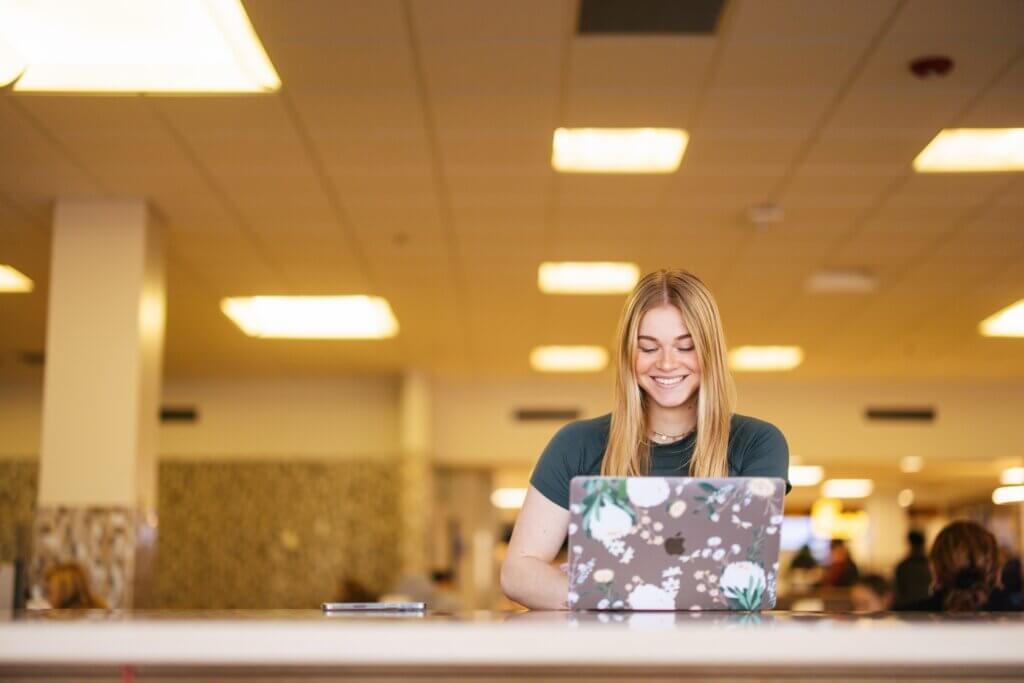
x: 1013, y: 582
x: 966, y: 565
x: 871, y: 593
x: 913, y: 576
x: 841, y: 571
x: 67, y: 587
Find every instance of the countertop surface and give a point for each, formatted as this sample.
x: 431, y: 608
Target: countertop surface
x: 310, y: 638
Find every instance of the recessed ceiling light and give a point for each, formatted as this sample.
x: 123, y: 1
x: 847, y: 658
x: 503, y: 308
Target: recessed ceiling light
x: 973, y: 150
x: 911, y: 464
x: 569, y: 358
x: 1012, y: 475
x: 806, y: 475
x: 141, y: 46
x: 765, y: 358
x: 312, y: 317
x: 1008, y: 322
x: 1008, y: 494
x: 508, y: 499
x: 847, y: 488
x: 597, y: 277
x: 13, y: 280
x: 841, y: 282
x: 905, y: 498
x: 618, y: 150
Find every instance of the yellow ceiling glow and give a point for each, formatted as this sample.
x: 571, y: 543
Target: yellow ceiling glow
x: 618, y: 150
x: 142, y: 46
x: 312, y: 317
x: 596, y: 277
x: 508, y: 499
x: 1008, y: 322
x: 765, y: 358
x: 569, y: 358
x: 14, y: 281
x: 909, y: 464
x: 973, y: 150
x: 847, y: 488
x: 1012, y: 476
x: 1008, y: 494
x: 806, y: 475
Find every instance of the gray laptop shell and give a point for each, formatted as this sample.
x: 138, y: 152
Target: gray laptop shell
x: 674, y: 543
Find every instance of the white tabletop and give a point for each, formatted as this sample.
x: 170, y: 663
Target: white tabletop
x: 309, y: 638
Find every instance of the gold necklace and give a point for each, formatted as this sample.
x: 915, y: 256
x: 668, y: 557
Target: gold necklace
x: 658, y: 437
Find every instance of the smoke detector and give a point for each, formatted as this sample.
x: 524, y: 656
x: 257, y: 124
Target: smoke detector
x: 764, y: 214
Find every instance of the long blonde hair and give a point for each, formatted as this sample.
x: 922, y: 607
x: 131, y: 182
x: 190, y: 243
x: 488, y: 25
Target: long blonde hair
x: 628, y: 451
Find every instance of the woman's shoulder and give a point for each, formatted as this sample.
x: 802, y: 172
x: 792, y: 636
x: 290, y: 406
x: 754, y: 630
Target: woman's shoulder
x: 747, y: 428
x: 583, y: 432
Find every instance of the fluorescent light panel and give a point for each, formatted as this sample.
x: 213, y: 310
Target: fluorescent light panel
x: 841, y: 282
x: 312, y: 317
x: 1008, y: 322
x: 1011, y: 476
x: 911, y: 463
x: 847, y: 488
x: 595, y: 277
x: 765, y: 358
x: 508, y: 499
x: 138, y: 46
x: 806, y: 475
x: 569, y: 358
x: 1008, y: 494
x: 905, y: 498
x: 973, y: 150
x: 618, y: 150
x: 13, y: 280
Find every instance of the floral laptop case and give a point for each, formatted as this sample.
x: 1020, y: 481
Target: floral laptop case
x: 674, y: 543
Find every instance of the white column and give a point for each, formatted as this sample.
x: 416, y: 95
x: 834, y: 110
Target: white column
x: 416, y: 471
x: 105, y: 330
x: 887, y: 535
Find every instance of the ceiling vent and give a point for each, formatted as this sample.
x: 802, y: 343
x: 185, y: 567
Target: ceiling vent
x: 179, y: 414
x: 900, y: 414
x: 546, y: 414
x: 688, y: 17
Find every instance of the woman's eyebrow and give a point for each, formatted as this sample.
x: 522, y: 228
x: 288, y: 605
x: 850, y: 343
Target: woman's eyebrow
x: 682, y: 336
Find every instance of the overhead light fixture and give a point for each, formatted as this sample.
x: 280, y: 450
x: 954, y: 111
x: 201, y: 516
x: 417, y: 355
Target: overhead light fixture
x: 847, y: 488
x: 973, y: 150
x: 312, y: 317
x: 1011, y: 476
x: 508, y: 499
x: 1008, y: 322
x: 11, y: 63
x: 581, y: 277
x: 806, y: 475
x: 13, y: 280
x: 905, y: 498
x: 569, y: 358
x: 765, y: 358
x: 841, y: 282
x: 618, y: 150
x: 1008, y: 494
x: 911, y: 464
x: 184, y: 46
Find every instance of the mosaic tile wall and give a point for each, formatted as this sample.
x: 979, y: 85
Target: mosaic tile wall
x: 265, y: 534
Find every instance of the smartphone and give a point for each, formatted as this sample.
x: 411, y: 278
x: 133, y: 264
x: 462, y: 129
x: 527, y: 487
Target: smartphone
x: 373, y: 606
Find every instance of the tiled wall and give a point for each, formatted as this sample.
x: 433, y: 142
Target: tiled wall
x: 257, y: 534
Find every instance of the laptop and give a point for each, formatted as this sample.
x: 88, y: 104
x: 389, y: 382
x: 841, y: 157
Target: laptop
x: 674, y: 543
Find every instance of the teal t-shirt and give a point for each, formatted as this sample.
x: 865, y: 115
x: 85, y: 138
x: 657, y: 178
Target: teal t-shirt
x: 756, y: 449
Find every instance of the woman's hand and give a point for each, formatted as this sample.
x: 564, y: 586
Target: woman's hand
x: 527, y: 575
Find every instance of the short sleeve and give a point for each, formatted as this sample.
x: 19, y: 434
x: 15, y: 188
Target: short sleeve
x: 558, y: 464
x: 767, y: 455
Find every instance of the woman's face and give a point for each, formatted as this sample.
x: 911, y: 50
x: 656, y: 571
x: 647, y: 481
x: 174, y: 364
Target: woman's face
x: 666, y: 361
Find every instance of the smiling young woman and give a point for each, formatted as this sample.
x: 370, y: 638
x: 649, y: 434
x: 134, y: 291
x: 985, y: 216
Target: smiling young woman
x: 673, y: 416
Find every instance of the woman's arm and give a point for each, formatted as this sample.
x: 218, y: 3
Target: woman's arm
x: 526, y: 575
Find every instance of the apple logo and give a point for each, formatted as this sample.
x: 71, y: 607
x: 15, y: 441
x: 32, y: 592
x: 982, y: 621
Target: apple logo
x: 675, y: 545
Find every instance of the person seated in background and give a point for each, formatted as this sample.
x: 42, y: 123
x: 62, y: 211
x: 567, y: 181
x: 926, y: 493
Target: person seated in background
x: 841, y: 570
x: 871, y: 593
x: 350, y: 590
x: 67, y: 587
x: 1013, y: 582
x: 913, y: 577
x: 965, y: 564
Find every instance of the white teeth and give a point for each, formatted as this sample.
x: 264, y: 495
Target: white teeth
x: 668, y: 382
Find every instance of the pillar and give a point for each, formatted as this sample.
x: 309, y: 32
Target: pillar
x: 888, y: 527
x: 416, y: 472
x: 104, y: 344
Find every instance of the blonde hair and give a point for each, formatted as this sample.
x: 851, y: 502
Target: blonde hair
x: 628, y: 450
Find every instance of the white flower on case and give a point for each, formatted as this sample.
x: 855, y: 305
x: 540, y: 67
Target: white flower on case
x: 647, y: 492
x: 627, y: 556
x: 671, y: 571
x: 573, y: 598
x: 701, y: 588
x: 677, y: 508
x: 649, y: 596
x: 771, y: 530
x: 714, y: 541
x: 573, y: 528
x: 744, y: 583
x: 718, y: 554
x: 610, y: 522
x: 762, y: 488
x: 776, y: 519
x: 603, y: 576
x: 603, y: 604
x: 735, y: 549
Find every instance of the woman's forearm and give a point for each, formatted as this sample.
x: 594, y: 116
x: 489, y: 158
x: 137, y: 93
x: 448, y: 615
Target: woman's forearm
x: 534, y: 583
